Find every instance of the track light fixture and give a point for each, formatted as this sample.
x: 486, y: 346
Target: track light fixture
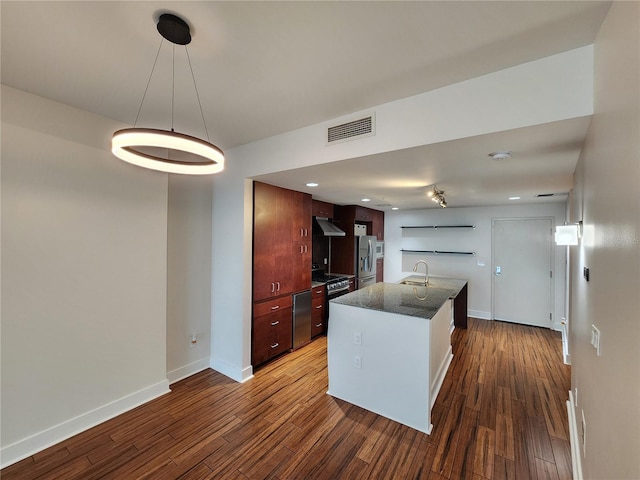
x: 437, y: 196
x: 167, y: 150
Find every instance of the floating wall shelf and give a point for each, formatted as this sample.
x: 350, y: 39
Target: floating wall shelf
x: 439, y: 226
x: 438, y: 252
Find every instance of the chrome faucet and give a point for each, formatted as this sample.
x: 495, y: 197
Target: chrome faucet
x: 426, y: 270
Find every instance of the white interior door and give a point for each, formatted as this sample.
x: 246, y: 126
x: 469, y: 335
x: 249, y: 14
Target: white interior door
x: 522, y: 272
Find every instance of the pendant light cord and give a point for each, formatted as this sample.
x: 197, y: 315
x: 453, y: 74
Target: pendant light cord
x: 148, y: 82
x: 206, y: 131
x: 173, y: 82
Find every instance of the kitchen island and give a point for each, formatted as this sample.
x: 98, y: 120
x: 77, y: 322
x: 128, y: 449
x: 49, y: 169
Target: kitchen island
x: 389, y: 348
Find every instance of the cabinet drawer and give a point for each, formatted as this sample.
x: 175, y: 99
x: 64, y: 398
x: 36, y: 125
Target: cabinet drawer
x: 317, y: 328
x: 270, y: 306
x: 317, y: 321
x: 317, y: 292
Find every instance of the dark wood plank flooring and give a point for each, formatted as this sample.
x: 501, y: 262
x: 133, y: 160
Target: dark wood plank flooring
x: 500, y: 415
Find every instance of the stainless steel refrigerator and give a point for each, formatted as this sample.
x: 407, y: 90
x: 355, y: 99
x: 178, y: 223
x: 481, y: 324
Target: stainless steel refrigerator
x: 365, y: 257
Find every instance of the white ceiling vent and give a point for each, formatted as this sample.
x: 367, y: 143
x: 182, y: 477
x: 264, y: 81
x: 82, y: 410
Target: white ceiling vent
x: 362, y: 127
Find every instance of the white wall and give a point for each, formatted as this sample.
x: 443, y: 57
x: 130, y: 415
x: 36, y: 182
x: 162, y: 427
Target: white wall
x: 83, y: 275
x: 547, y: 90
x: 606, y: 388
x: 188, y: 275
x: 476, y: 269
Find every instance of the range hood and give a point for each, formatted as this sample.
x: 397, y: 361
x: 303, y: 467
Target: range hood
x: 322, y: 226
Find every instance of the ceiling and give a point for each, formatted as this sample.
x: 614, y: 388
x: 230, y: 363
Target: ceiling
x: 265, y: 68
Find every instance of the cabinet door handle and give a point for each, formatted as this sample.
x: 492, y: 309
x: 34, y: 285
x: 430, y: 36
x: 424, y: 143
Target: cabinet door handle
x: 318, y: 325
x: 273, y: 324
x: 273, y: 287
x: 275, y: 307
x: 319, y: 292
x: 319, y: 306
x: 301, y: 248
x: 278, y: 284
x: 275, y: 345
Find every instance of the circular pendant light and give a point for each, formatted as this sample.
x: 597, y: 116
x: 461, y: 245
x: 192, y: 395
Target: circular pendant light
x: 164, y: 150
x: 130, y: 145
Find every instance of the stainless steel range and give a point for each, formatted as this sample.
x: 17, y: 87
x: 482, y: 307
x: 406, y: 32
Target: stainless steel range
x: 335, y: 285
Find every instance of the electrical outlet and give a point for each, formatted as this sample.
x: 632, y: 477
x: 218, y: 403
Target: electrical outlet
x: 357, y: 338
x: 357, y: 361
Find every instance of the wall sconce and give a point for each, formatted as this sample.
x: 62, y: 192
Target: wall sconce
x: 568, y: 234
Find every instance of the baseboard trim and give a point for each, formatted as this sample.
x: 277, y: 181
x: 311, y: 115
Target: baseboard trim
x: 26, y: 447
x: 183, y: 372
x: 565, y: 346
x: 574, y: 438
x: 234, y: 373
x: 479, y: 314
x: 442, y: 372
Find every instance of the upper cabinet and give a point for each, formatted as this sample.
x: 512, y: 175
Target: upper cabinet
x: 322, y: 209
x: 377, y: 224
x: 281, y: 241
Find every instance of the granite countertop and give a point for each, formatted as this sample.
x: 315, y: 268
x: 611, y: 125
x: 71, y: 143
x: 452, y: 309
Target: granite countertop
x: 411, y: 300
x: 455, y: 284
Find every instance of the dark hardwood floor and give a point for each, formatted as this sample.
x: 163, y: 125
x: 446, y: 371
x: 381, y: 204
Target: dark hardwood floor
x: 500, y: 414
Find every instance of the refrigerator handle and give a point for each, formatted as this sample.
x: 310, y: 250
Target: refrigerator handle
x: 370, y: 256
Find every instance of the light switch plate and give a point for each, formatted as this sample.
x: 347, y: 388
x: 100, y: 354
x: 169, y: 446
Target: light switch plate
x: 595, y: 339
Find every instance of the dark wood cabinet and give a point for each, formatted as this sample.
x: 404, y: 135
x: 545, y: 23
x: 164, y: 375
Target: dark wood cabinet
x: 460, y: 308
x: 363, y: 214
x: 302, y: 242
x: 380, y: 270
x: 352, y: 284
x: 272, y: 332
x: 318, y: 313
x: 281, y: 241
x: 377, y: 224
x: 322, y: 209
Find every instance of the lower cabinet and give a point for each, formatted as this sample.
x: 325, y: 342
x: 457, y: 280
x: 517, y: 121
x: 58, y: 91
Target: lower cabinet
x: 460, y: 308
x: 272, y: 332
x: 318, y: 320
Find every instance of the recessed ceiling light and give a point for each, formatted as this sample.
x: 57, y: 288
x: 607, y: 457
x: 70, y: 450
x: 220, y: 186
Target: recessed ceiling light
x: 394, y: 208
x: 514, y: 198
x: 312, y: 184
x: 366, y: 199
x: 500, y: 155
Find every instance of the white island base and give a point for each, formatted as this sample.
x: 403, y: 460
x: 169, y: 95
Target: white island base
x: 389, y: 363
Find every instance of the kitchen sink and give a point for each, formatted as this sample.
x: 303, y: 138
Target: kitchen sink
x: 412, y: 282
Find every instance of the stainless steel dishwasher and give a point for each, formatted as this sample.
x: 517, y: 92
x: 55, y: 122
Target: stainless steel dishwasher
x: 301, y: 319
